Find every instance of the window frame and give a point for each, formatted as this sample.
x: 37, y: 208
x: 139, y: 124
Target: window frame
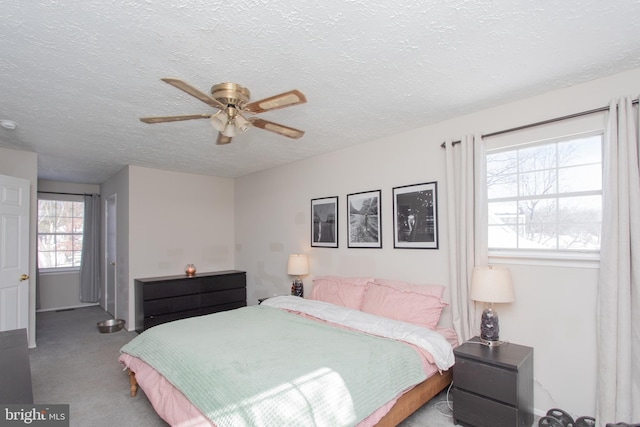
x: 58, y: 198
x: 554, y: 133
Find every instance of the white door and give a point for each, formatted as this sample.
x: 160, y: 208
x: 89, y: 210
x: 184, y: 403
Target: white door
x: 14, y: 253
x: 110, y: 296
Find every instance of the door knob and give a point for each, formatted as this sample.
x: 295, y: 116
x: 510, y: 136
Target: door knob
x: 113, y: 263
x: 24, y: 277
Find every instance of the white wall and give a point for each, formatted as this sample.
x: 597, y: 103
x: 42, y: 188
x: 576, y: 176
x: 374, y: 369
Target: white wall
x: 24, y: 164
x: 61, y: 290
x: 554, y: 310
x: 177, y: 219
x: 166, y: 220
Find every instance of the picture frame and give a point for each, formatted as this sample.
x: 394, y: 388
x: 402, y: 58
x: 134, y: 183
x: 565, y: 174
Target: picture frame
x: 415, y: 216
x: 364, y: 226
x: 324, y: 222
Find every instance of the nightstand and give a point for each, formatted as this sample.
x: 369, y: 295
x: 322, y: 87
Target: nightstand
x: 493, y: 386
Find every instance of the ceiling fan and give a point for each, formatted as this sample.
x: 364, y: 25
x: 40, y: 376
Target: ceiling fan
x: 232, y: 102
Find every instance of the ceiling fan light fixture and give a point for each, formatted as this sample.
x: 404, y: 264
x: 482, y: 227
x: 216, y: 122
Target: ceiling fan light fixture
x: 229, y: 130
x: 229, y: 122
x: 219, y: 121
x: 242, y: 124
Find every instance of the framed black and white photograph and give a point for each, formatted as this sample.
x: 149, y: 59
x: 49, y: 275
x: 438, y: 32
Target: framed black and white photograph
x: 364, y: 226
x: 415, y: 216
x: 324, y: 222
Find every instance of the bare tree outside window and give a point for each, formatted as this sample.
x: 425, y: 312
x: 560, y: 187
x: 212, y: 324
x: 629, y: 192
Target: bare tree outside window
x: 546, y: 196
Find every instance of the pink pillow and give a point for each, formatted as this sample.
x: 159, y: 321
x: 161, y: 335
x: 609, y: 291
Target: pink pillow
x: 343, y: 291
x: 435, y: 290
x: 411, y: 307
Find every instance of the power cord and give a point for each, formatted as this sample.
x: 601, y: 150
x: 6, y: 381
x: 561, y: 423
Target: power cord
x: 449, y: 402
x: 440, y: 406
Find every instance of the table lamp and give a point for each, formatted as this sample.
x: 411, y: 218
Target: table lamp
x: 298, y: 265
x: 491, y: 285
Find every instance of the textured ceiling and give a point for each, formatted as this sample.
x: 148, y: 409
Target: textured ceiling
x: 77, y: 75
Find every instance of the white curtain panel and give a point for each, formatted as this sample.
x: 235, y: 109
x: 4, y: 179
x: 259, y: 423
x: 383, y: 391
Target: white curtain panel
x: 466, y: 204
x: 618, y: 315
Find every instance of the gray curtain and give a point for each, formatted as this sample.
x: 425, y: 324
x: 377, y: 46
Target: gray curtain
x: 618, y: 316
x: 90, y: 288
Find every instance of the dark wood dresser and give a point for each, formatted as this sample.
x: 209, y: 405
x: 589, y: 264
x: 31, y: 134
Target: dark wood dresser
x: 163, y: 299
x: 493, y: 386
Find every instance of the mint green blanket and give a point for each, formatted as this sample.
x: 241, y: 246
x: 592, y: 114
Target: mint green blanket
x: 261, y: 366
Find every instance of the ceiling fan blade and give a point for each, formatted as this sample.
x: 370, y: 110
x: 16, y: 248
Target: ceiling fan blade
x: 222, y: 140
x: 282, y: 100
x: 196, y: 93
x: 277, y: 128
x: 151, y: 120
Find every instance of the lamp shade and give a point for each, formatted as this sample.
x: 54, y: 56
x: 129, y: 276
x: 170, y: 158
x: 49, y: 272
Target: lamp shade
x: 219, y: 121
x: 491, y: 284
x: 298, y: 265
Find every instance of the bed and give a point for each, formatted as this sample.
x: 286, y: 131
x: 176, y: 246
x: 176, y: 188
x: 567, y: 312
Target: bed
x: 358, y: 351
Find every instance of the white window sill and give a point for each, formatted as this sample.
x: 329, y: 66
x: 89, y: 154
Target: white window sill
x: 54, y: 271
x: 554, y: 259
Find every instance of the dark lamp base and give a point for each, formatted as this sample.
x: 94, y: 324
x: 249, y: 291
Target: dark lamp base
x: 296, y: 288
x: 490, y: 327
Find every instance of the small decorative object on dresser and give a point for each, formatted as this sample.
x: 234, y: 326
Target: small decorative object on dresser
x: 493, y: 386
x: 190, y: 270
x: 298, y: 265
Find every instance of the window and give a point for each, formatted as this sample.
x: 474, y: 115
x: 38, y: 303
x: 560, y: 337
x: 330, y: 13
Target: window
x: 60, y: 226
x: 544, y: 196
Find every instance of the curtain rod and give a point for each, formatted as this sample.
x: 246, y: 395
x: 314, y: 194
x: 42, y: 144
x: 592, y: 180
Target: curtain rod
x: 544, y: 122
x: 67, y: 194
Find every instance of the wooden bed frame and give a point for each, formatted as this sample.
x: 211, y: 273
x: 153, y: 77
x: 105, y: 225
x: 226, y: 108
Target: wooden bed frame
x: 412, y: 400
x: 406, y: 404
